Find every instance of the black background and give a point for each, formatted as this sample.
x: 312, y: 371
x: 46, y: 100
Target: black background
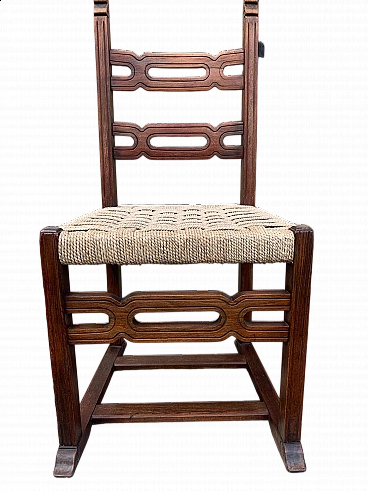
x: 64, y: 185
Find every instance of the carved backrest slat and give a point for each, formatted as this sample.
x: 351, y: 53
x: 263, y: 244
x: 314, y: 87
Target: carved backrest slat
x: 120, y: 70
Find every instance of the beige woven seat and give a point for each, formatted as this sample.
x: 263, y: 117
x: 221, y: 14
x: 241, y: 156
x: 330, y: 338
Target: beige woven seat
x: 177, y: 234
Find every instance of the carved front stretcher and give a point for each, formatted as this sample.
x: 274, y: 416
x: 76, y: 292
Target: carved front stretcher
x: 231, y: 320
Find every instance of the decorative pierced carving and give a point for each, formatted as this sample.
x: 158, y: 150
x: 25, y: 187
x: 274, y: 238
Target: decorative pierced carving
x: 141, y: 65
x: 231, y: 321
x: 142, y: 141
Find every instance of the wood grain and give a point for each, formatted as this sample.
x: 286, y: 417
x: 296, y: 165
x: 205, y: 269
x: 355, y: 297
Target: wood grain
x: 298, y: 282
x: 114, y: 282
x: 63, y: 364
x: 67, y: 458
x: 100, y: 382
x: 291, y: 452
x: 105, y: 110
x: 245, y: 277
x: 142, y: 137
x: 105, y: 120
x: 245, y: 281
x: 249, y: 110
x: 261, y: 380
x: 231, y: 322
x: 180, y: 411
x: 179, y: 362
x: 213, y: 65
x: 66, y: 462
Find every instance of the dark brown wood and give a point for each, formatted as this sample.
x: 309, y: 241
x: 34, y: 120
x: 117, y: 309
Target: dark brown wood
x: 245, y: 277
x: 260, y: 379
x: 214, y: 66
x: 291, y: 452
x: 180, y: 411
x: 100, y: 382
x: 158, y: 362
x: 298, y: 282
x: 105, y: 120
x: 113, y: 273
x: 142, y: 141
x: 249, y: 140
x: 114, y: 286
x: 63, y: 363
x: 105, y: 103
x: 231, y: 321
x: 245, y: 282
x: 66, y: 463
x: 67, y: 458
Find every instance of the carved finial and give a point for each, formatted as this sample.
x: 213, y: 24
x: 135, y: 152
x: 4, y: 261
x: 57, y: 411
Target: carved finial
x: 101, y: 7
x: 250, y: 7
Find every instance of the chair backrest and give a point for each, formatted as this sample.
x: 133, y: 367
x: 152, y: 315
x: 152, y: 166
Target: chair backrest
x: 214, y: 76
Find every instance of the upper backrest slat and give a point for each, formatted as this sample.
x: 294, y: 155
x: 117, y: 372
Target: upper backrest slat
x: 140, y: 76
x: 140, y: 67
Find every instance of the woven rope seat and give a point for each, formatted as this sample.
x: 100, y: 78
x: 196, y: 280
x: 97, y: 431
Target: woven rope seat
x: 176, y: 234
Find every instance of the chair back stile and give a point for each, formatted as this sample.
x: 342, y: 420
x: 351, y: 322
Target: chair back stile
x: 214, y: 76
x: 105, y: 103
x: 249, y: 104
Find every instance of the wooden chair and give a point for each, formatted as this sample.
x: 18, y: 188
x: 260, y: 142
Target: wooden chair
x: 184, y: 234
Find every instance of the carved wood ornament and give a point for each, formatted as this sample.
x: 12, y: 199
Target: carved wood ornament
x: 143, y: 145
x: 231, y: 320
x: 214, y: 66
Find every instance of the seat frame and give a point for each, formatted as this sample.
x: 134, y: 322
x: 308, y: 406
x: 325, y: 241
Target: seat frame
x: 284, y: 412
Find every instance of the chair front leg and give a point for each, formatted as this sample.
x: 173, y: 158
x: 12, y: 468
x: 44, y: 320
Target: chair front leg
x: 63, y: 362
x: 298, y: 283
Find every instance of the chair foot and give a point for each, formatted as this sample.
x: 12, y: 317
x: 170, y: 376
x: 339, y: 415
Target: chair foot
x: 291, y: 452
x: 294, y: 457
x: 67, y: 459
